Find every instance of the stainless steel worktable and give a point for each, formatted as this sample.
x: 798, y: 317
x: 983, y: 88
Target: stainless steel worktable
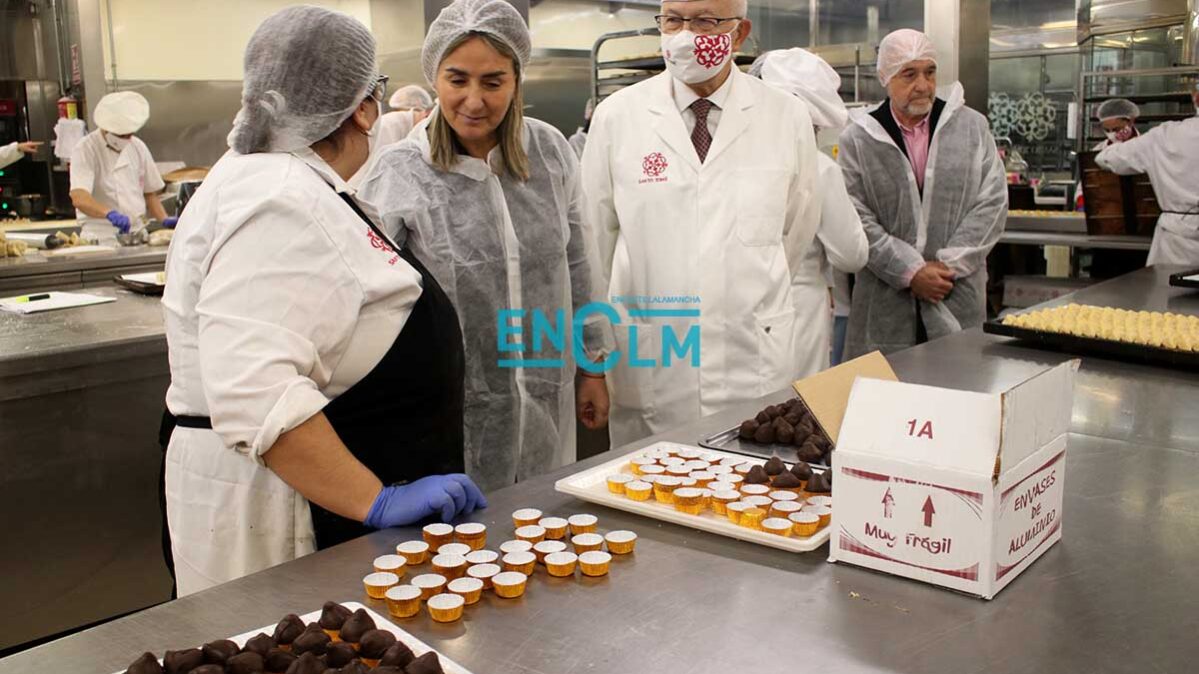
x: 1116, y: 595
x: 81, y: 395
x: 34, y: 271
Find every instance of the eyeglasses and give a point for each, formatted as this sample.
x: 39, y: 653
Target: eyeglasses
x: 704, y: 25
x: 379, y: 91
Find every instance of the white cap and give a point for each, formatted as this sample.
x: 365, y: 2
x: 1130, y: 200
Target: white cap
x: 808, y: 77
x: 122, y: 113
x: 901, y: 48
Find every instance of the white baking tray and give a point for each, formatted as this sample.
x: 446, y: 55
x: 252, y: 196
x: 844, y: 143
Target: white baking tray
x: 418, y: 647
x: 591, y: 485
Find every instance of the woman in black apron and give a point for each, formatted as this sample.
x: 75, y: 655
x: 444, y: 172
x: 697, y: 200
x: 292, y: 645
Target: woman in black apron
x: 280, y: 299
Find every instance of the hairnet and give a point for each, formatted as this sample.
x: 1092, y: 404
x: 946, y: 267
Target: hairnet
x: 901, y: 48
x: 306, y: 70
x: 806, y: 75
x: 496, y: 18
x: 411, y: 97
x: 1116, y: 108
x: 122, y: 112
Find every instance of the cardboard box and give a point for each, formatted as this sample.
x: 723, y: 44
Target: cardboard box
x: 954, y: 488
x: 827, y: 393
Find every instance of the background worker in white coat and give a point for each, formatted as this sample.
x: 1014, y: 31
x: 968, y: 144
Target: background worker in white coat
x: 316, y: 368
x: 701, y: 183
x: 1169, y: 153
x: 12, y: 153
x: 113, y: 176
x: 409, y: 105
x: 930, y: 188
x: 491, y: 199
x: 840, y: 241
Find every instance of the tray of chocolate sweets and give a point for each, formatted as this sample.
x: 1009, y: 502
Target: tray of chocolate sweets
x: 766, y: 501
x: 363, y: 643
x: 788, y: 430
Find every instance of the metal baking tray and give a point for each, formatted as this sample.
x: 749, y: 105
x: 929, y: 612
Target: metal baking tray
x: 1133, y: 353
x: 730, y: 441
x: 1186, y: 279
x: 147, y: 283
x: 418, y: 647
x: 592, y: 485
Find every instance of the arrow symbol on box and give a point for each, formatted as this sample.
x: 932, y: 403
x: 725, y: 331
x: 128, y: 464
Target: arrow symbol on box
x: 928, y: 510
x: 888, y: 502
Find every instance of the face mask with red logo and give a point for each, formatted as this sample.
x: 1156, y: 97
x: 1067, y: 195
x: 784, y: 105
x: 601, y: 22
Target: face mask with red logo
x: 1124, y: 134
x: 692, y: 58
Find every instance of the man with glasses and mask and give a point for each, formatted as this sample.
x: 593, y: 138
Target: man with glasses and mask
x: 700, y: 184
x: 926, y: 179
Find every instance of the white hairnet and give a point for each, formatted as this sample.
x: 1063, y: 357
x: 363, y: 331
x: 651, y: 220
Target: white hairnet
x: 496, y: 18
x: 901, y: 48
x: 306, y: 70
x: 122, y: 112
x: 806, y: 75
x: 1117, y: 108
x: 411, y: 97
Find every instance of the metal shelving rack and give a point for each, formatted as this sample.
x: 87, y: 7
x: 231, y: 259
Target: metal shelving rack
x: 1088, y: 100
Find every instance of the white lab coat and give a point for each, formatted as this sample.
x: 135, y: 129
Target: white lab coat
x: 731, y: 232
x: 10, y: 154
x: 1169, y: 153
x: 118, y: 181
x: 840, y: 242
x: 276, y: 303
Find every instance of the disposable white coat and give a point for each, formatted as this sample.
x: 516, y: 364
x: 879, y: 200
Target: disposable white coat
x: 840, y: 243
x: 276, y: 303
x: 1169, y: 153
x: 497, y: 243
x: 956, y: 221
x: 731, y: 232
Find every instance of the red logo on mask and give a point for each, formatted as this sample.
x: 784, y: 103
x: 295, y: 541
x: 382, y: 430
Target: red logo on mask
x: 654, y: 164
x: 712, y: 50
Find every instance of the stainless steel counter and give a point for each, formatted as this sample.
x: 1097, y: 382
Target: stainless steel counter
x: 1040, y: 238
x: 81, y: 395
x: 34, y: 271
x: 1116, y: 595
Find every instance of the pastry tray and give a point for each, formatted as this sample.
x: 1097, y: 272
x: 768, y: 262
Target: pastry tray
x: 144, y: 284
x: 418, y: 647
x: 1186, y: 279
x: 1133, y: 353
x: 592, y: 485
x: 730, y: 441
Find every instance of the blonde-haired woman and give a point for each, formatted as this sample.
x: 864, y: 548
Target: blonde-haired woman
x: 490, y: 200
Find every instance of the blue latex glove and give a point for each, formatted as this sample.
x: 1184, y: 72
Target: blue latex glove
x: 170, y: 223
x: 119, y: 220
x: 446, y: 496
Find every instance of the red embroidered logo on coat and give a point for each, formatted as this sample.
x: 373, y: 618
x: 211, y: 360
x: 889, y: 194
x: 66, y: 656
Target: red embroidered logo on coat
x: 712, y: 50
x: 379, y: 243
x: 654, y: 164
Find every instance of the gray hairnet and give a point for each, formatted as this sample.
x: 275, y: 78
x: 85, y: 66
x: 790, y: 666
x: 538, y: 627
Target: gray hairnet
x: 496, y: 18
x: 306, y: 70
x: 411, y: 97
x: 1117, y: 108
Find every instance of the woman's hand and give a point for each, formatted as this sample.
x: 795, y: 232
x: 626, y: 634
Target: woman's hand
x: 446, y: 496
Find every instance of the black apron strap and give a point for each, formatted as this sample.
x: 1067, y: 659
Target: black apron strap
x: 403, y: 420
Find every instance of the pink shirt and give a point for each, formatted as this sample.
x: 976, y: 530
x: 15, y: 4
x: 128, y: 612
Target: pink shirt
x: 916, y: 141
